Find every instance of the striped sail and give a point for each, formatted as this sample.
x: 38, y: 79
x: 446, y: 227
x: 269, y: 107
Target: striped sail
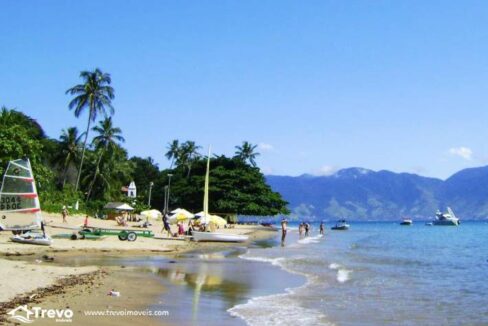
x: 19, y: 203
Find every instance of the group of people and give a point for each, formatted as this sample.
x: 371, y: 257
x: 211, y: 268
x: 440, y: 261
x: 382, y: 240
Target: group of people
x: 303, y: 229
x: 181, y: 227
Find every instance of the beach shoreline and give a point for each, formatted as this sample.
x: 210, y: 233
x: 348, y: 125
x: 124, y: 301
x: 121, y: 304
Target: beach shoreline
x: 75, y: 286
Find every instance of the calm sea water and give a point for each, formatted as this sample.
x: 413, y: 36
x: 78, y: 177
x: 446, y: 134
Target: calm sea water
x: 378, y: 274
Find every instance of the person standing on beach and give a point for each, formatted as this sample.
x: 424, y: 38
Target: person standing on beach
x: 322, y: 227
x: 307, y: 228
x: 64, y: 213
x: 166, y: 226
x: 300, y: 230
x: 284, y: 223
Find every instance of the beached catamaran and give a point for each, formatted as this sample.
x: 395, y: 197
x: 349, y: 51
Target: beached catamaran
x: 207, y: 218
x: 20, y: 210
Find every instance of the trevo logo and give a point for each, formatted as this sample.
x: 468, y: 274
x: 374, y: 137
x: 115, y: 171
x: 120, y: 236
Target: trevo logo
x: 27, y: 316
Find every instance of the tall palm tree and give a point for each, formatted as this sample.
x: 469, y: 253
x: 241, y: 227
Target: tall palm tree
x: 96, y: 95
x: 187, y: 154
x: 246, y: 152
x: 69, y: 153
x: 173, y: 152
x: 108, y: 137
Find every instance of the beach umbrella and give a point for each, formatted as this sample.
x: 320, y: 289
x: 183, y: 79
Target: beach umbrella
x: 212, y: 219
x: 152, y: 213
x: 200, y: 214
x: 182, y: 211
x: 179, y: 217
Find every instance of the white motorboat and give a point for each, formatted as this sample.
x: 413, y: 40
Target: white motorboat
x: 406, y: 221
x: 341, y: 225
x: 20, y: 209
x: 447, y: 218
x: 207, y: 218
x: 219, y: 237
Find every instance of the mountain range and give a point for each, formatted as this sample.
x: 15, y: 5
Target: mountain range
x: 362, y: 194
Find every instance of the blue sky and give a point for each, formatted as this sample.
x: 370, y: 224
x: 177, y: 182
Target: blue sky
x: 320, y: 85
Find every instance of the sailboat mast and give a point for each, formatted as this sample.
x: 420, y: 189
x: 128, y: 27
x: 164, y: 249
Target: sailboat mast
x: 207, y: 176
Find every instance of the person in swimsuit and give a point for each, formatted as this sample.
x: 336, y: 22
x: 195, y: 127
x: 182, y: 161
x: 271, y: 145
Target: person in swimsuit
x: 322, y: 228
x: 307, y: 228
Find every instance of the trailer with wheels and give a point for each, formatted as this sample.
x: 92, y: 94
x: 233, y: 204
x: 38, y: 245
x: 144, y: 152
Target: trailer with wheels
x: 123, y: 235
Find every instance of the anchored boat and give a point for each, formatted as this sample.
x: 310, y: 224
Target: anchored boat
x: 341, y: 225
x: 406, y: 221
x: 447, y: 218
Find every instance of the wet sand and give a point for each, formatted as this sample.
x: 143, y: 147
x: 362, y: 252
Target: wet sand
x: 139, y: 289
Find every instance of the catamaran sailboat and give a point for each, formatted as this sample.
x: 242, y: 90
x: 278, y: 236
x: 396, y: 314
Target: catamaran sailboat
x: 20, y: 210
x: 446, y: 218
x: 206, y: 218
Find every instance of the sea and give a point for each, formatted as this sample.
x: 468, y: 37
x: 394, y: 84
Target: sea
x: 375, y: 273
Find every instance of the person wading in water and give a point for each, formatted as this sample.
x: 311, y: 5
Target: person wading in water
x: 284, y: 224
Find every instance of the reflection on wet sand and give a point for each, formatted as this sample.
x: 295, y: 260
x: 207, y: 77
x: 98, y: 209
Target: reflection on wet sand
x: 205, y: 279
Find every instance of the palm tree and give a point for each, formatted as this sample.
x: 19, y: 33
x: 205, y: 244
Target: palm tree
x: 187, y: 154
x: 96, y: 95
x: 246, y: 152
x: 173, y: 152
x: 69, y: 143
x: 108, y: 137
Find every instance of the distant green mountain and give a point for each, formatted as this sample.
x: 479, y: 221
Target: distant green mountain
x: 361, y: 194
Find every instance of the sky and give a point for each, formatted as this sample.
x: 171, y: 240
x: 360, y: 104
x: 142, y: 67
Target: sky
x: 317, y: 85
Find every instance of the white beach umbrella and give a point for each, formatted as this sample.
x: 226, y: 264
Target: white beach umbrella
x: 152, y: 213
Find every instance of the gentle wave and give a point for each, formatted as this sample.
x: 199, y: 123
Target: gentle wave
x: 343, y: 275
x: 314, y: 239
x: 278, y: 309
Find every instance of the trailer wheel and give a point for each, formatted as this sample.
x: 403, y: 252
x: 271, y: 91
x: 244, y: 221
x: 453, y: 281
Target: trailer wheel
x: 132, y: 236
x: 123, y: 236
x: 82, y: 236
x: 74, y: 237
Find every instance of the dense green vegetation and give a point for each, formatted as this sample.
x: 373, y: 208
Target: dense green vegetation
x: 71, y: 169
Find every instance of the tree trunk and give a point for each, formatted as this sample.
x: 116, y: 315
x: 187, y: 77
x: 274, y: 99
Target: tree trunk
x: 95, y: 176
x: 83, y: 152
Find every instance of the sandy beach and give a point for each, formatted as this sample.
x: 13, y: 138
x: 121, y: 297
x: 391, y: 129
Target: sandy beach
x: 37, y: 275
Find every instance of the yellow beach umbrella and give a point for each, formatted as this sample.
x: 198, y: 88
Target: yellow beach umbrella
x: 178, y: 217
x: 212, y: 219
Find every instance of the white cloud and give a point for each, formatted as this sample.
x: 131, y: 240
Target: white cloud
x: 464, y: 152
x: 265, y: 147
x: 326, y: 170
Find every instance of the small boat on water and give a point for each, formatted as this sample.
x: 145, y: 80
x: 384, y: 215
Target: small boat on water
x: 340, y: 225
x: 406, y: 221
x: 447, y: 218
x: 20, y: 209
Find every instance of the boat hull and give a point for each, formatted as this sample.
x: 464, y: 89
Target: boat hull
x: 446, y: 223
x: 218, y: 237
x: 340, y: 228
x: 40, y: 241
